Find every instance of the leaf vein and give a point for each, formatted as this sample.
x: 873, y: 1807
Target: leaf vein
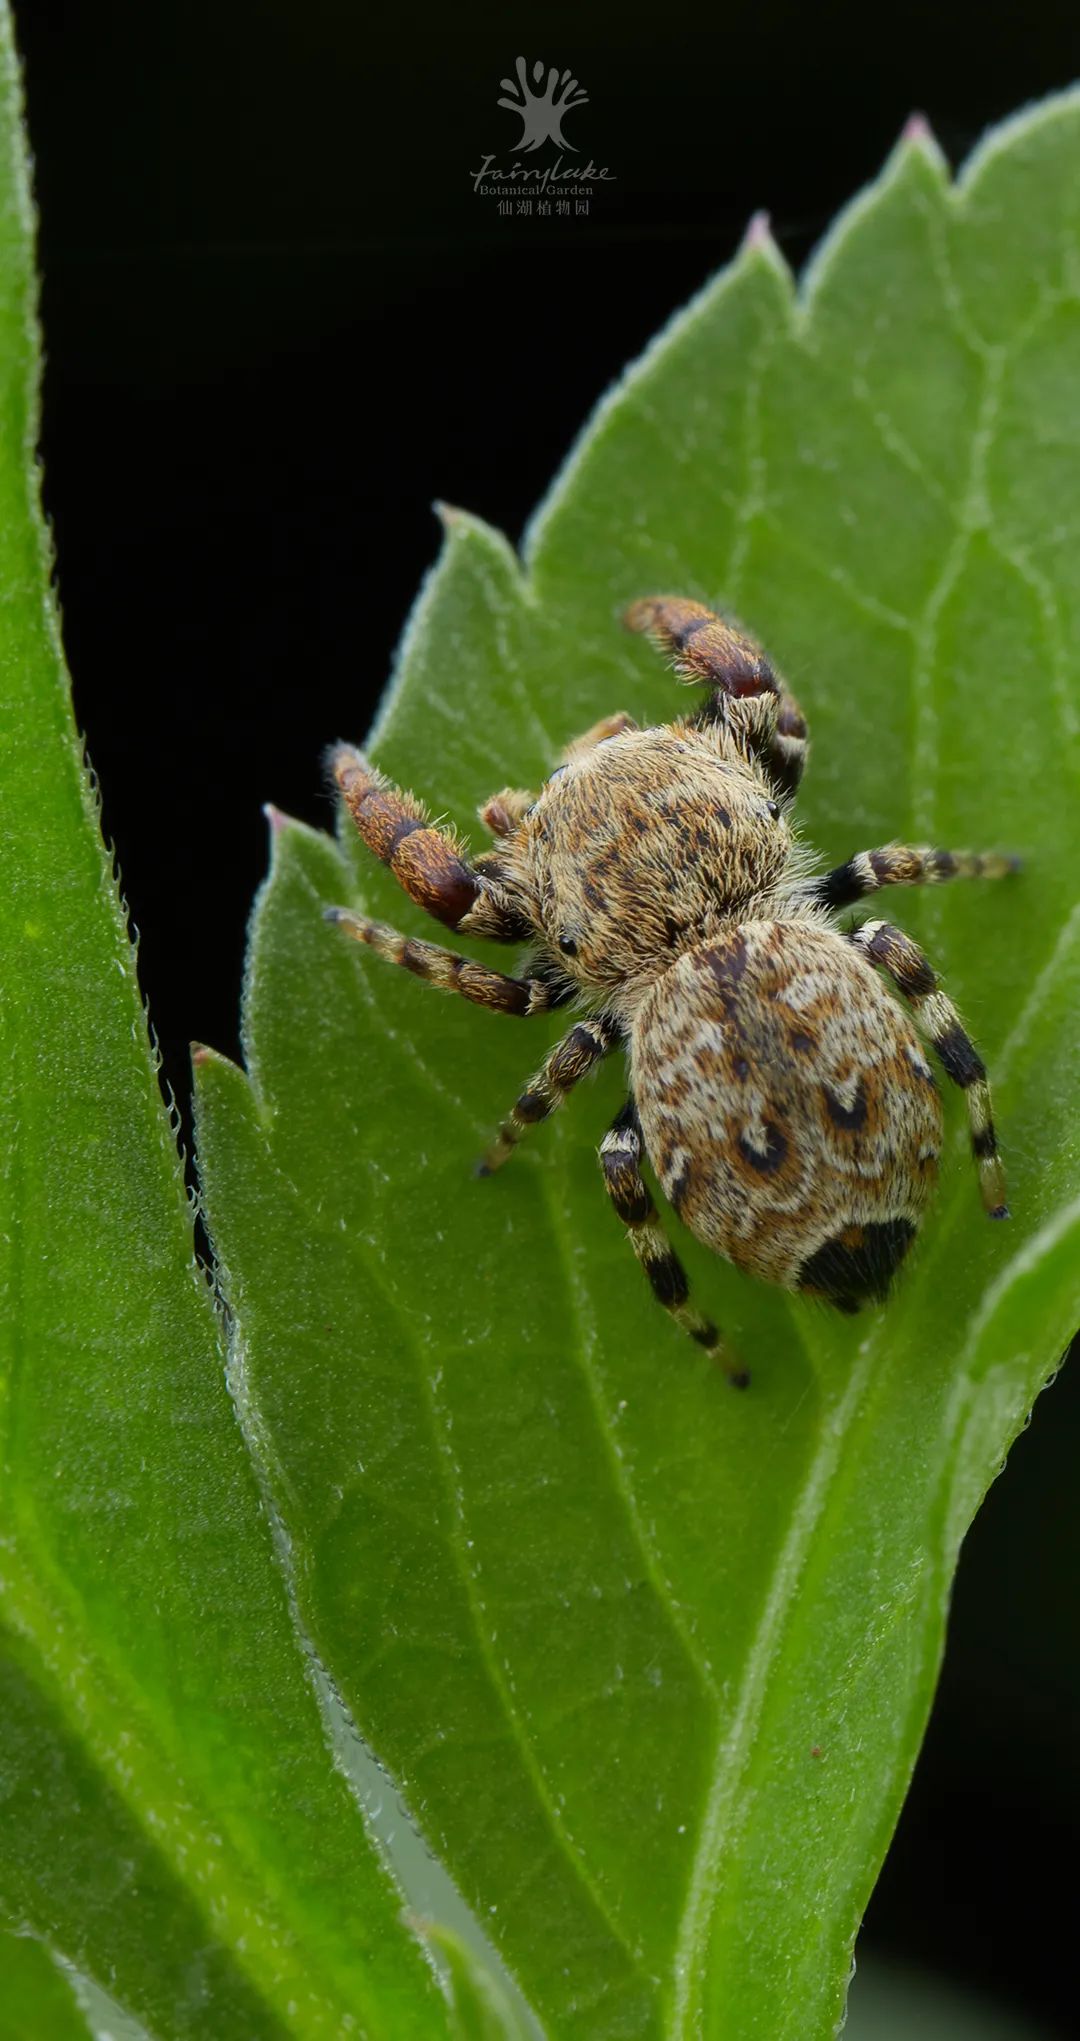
x: 736, y: 1745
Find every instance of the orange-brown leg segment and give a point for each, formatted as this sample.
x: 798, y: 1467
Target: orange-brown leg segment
x: 505, y: 811
x: 936, y: 1015
x: 445, y: 968
x: 746, y: 693
x: 904, y: 864
x: 620, y: 1160
x: 427, y: 861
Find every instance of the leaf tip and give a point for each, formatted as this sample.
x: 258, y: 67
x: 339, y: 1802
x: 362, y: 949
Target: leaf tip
x: 917, y: 138
x: 917, y: 132
x: 276, y: 819
x: 203, y: 1058
x: 759, y: 242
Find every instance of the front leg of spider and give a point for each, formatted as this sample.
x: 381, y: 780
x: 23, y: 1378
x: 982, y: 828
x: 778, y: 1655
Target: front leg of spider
x: 746, y: 694
x: 431, y: 866
x: 620, y: 1161
x: 445, y: 968
x: 427, y: 860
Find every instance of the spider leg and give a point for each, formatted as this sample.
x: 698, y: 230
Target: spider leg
x: 571, y: 1060
x: 903, y: 864
x: 503, y: 812
x: 936, y: 1015
x: 746, y: 693
x: 426, y: 860
x: 598, y: 733
x: 445, y: 968
x: 620, y: 1161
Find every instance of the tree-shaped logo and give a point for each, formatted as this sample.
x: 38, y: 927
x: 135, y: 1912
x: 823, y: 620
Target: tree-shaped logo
x: 542, y: 105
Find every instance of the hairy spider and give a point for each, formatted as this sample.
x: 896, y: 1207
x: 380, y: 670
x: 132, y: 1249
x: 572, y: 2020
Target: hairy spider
x: 777, y: 1086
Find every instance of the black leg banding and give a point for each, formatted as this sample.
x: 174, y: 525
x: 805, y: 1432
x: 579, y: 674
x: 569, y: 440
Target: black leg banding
x: 939, y: 1021
x: 668, y: 1279
x: 628, y: 1194
x: 898, y: 955
x: 959, y: 1056
x: 570, y: 1060
x: 533, y: 1106
x: 620, y: 1161
x: 840, y: 887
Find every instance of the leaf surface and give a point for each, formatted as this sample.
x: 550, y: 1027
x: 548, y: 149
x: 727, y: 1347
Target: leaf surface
x: 35, y: 1998
x: 173, y: 1825
x: 651, y: 1662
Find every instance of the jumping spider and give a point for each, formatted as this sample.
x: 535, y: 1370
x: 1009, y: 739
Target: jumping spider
x: 777, y: 1087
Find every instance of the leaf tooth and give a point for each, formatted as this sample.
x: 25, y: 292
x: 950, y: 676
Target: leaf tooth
x: 759, y: 244
x: 917, y: 137
x: 916, y: 131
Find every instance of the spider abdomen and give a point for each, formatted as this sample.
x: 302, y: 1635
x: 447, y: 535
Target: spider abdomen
x: 788, y: 1108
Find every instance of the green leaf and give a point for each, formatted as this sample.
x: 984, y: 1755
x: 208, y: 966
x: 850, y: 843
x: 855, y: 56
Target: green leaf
x: 481, y: 2009
x: 35, y: 1998
x: 650, y: 1661
x: 173, y: 1825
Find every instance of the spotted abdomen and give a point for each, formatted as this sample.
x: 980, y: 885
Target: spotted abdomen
x: 788, y: 1108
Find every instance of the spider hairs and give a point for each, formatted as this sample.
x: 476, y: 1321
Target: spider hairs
x: 777, y: 1085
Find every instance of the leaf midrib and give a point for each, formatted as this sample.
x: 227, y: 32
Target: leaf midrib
x: 734, y: 1749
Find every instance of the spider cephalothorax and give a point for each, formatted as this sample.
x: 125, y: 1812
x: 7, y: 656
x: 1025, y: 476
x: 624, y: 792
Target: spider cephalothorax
x: 778, y: 1087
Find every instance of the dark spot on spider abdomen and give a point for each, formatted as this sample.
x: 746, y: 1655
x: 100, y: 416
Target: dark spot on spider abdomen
x: 769, y: 1159
x: 858, y: 1264
x: 849, y: 1117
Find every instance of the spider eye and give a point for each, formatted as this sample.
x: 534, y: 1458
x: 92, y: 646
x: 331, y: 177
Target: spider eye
x: 556, y: 770
x: 773, y: 808
x: 568, y: 946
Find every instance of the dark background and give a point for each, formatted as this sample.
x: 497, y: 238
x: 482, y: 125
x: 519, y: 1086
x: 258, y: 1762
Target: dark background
x: 279, y: 323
